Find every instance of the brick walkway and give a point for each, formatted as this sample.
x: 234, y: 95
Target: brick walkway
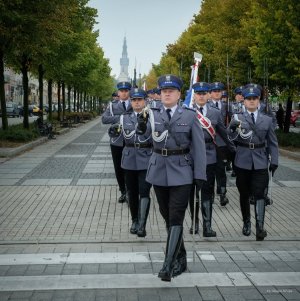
x: 60, y: 199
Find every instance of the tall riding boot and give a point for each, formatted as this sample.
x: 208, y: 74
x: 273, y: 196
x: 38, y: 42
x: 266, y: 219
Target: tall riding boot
x: 173, y: 247
x: 133, y: 207
x: 143, y: 215
x: 194, y: 212
x: 223, y: 199
x: 181, y: 261
x: 206, y: 208
x: 261, y: 233
x: 245, y: 208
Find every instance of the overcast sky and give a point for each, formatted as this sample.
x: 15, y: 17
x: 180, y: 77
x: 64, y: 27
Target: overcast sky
x: 149, y: 25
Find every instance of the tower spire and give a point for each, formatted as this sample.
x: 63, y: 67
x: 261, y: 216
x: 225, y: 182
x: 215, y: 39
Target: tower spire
x: 124, y: 63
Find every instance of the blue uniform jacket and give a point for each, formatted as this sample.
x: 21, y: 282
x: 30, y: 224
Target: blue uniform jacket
x: 112, y: 116
x: 185, y: 132
x: 134, y: 158
x: 257, y: 158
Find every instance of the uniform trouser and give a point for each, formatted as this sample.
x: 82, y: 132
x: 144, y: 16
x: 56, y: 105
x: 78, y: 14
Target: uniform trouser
x: 207, y: 190
x: 221, y: 166
x: 116, y: 152
x: 250, y: 182
x: 173, y: 201
x: 137, y: 187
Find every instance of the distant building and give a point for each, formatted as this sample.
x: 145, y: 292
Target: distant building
x: 124, y: 63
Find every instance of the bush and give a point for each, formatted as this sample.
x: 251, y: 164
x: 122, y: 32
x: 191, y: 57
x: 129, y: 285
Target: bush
x: 16, y: 133
x: 288, y: 139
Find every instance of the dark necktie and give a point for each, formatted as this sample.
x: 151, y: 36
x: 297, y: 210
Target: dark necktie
x: 252, y: 117
x: 201, y: 110
x: 217, y: 104
x: 124, y: 105
x: 169, y: 113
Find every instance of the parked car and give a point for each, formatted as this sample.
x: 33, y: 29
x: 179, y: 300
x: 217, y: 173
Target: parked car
x: 294, y: 116
x: 21, y: 110
x: 12, y: 109
x: 35, y: 110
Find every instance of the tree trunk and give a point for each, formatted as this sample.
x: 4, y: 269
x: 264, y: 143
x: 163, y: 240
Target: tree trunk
x: 69, y: 98
x: 63, y: 100
x: 74, y: 100
x: 58, y: 101
x: 2, y: 93
x: 41, y: 88
x: 287, y: 121
x: 84, y: 101
x: 78, y: 101
x: 24, y: 70
x: 50, y: 98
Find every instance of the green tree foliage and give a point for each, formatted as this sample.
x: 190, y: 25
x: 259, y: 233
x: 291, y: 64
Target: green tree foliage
x: 55, y: 39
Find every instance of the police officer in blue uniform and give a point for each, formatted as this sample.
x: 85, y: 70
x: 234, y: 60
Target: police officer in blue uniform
x: 135, y: 159
x: 264, y: 108
x: 178, y: 159
x: 238, y: 104
x: 112, y: 116
x: 156, y: 101
x: 211, y: 122
x: 216, y: 89
x: 255, y: 138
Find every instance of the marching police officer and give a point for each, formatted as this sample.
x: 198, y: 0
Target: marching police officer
x: 156, y: 101
x: 112, y: 116
x: 216, y: 89
x: 178, y: 145
x: 253, y: 132
x: 135, y: 159
x: 211, y: 122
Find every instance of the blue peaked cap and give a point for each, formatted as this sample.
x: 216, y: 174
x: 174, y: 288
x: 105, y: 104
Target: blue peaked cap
x: 156, y: 91
x: 251, y: 85
x: 169, y: 81
x: 238, y: 90
x: 137, y: 93
x: 201, y: 87
x: 217, y: 86
x: 248, y: 92
x: 124, y: 85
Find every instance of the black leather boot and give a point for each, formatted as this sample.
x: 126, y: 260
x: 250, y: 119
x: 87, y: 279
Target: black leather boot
x: 223, y: 199
x: 194, y: 212
x: 245, y: 208
x: 173, y: 247
x: 143, y: 215
x: 134, y: 227
x: 123, y: 197
x: 206, y: 208
x: 261, y: 233
x: 181, y: 261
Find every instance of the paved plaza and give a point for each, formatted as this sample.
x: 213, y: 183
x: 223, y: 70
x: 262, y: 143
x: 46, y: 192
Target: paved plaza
x: 64, y: 236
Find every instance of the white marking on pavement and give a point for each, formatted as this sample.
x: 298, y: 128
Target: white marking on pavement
x: 113, y: 281
x: 85, y: 258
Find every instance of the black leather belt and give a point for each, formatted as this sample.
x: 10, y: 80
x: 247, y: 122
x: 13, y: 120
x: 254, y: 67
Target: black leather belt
x: 169, y: 152
x: 250, y: 145
x: 139, y: 145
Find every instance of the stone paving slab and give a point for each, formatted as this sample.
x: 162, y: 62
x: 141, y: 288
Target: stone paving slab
x: 61, y: 198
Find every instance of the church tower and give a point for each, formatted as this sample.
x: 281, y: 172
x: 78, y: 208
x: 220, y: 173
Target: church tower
x: 124, y: 63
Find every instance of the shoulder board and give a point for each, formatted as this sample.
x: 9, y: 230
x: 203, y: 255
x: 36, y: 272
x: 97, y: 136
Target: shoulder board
x: 115, y: 101
x: 155, y: 109
x: 127, y: 113
x: 191, y: 109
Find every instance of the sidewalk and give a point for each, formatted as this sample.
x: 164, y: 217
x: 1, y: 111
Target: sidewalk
x: 64, y: 236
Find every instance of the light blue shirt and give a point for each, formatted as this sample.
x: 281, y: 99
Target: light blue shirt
x: 204, y: 109
x: 173, y: 109
x: 255, y: 114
